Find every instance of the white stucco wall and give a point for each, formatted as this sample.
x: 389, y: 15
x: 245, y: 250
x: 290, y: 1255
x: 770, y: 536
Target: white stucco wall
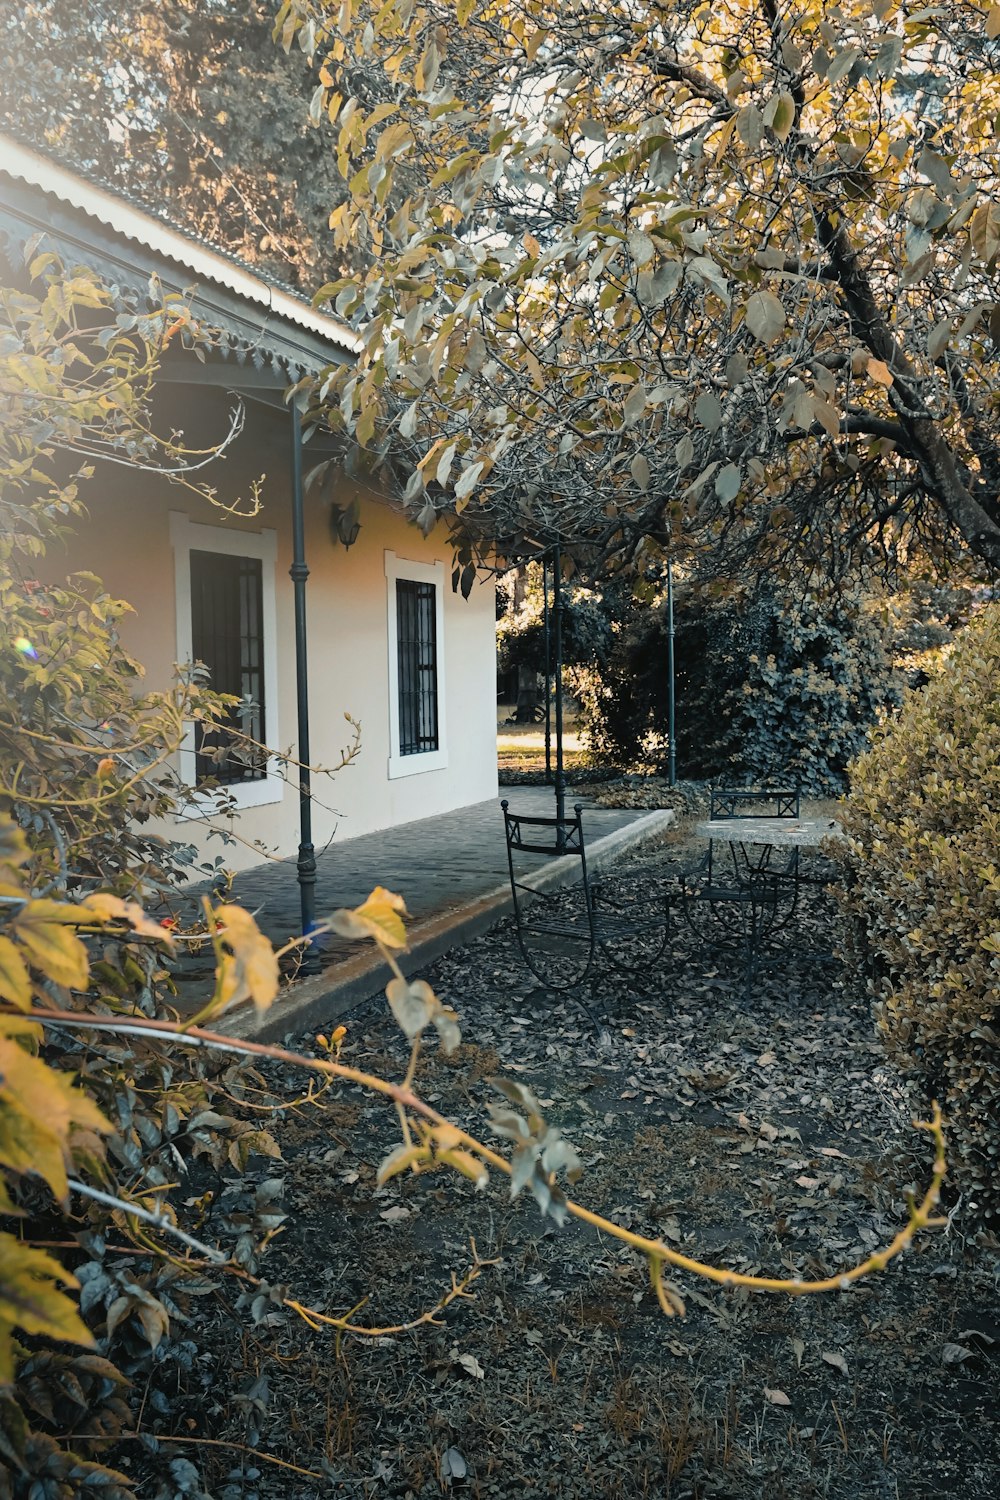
x: 128, y: 544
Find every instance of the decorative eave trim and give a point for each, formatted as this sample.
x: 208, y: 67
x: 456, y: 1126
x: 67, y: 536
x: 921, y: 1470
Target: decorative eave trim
x: 124, y: 219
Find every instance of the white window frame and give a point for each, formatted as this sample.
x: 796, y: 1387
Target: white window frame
x: 414, y: 572
x: 189, y: 536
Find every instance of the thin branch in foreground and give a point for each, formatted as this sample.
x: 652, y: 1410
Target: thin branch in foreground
x: 656, y: 1252
x: 158, y: 1221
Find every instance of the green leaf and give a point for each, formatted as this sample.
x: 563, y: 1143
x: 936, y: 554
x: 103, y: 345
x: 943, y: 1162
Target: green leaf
x: 765, y: 316
x: 750, y: 125
x: 408, y: 421
x: 727, y: 483
x: 842, y: 64
x: 684, y: 452
x: 635, y: 405
x: 708, y: 411
x: 468, y: 479
x: 779, y: 114
x: 413, y: 1003
x: 448, y: 1030
x: 445, y: 462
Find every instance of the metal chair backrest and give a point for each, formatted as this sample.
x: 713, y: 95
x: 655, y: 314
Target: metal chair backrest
x: 742, y: 802
x: 553, y: 837
x: 571, y: 841
x: 732, y: 804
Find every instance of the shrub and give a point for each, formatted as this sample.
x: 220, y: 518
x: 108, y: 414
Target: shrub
x: 922, y: 904
x: 767, y: 688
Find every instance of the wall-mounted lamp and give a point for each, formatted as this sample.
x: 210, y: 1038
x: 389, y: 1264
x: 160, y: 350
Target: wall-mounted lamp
x: 345, y: 522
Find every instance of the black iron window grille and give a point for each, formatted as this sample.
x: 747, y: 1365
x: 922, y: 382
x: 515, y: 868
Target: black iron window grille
x: 227, y: 635
x: 416, y: 650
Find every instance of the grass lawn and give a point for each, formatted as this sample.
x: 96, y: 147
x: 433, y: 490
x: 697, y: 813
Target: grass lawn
x: 521, y: 747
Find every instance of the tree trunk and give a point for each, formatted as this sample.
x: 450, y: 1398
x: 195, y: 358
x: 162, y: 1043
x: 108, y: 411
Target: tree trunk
x: 527, y: 696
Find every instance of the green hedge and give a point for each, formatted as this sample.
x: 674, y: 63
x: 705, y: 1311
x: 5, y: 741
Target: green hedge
x: 922, y: 902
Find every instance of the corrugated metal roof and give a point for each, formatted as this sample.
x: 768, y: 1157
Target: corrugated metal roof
x: 204, y: 261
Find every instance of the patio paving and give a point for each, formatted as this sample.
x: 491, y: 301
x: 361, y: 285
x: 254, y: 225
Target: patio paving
x: 451, y: 870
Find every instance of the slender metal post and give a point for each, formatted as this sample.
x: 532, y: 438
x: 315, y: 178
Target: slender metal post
x: 299, y: 572
x: 547, y: 645
x: 557, y: 614
x: 671, y: 681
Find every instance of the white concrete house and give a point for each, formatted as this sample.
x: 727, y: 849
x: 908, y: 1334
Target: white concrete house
x: 387, y: 640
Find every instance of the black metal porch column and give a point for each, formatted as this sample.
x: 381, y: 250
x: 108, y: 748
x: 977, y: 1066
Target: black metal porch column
x: 298, y: 573
x: 547, y: 646
x: 671, y: 680
x: 557, y: 611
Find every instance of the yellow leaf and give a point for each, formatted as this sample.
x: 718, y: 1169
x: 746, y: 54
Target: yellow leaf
x: 398, y: 1161
x: 879, y: 371
x: 43, y: 909
x: 380, y: 917
x: 470, y: 1166
x: 15, y: 984
x: 104, y: 907
x: 21, y: 1026
x: 249, y: 971
x: 38, y: 1108
x: 993, y: 22
x: 827, y: 415
x: 30, y: 1299
x: 13, y: 848
x: 51, y: 947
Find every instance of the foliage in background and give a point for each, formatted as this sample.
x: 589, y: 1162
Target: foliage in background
x: 778, y: 689
x: 922, y: 906
x: 925, y: 615
x: 702, y: 274
x: 586, y: 626
x: 768, y: 687
x: 188, y: 106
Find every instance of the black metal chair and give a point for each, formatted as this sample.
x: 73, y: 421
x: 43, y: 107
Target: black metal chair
x: 561, y: 933
x: 742, y: 893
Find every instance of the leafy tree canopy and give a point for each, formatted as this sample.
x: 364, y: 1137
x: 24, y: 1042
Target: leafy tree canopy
x: 674, y: 273
x: 188, y: 105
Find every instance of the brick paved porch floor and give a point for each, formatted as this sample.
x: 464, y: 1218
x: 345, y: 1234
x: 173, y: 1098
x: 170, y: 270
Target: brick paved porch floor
x: 451, y: 870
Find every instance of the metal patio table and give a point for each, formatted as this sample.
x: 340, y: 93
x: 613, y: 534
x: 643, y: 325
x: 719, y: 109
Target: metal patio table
x: 778, y: 833
x: 766, y: 836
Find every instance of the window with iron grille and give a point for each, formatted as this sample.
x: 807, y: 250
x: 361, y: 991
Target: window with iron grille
x: 227, y: 634
x: 416, y: 641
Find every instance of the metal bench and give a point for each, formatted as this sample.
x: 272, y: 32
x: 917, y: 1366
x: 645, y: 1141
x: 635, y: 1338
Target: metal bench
x: 562, y: 934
